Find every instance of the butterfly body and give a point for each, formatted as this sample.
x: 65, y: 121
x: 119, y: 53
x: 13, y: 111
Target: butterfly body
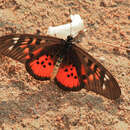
x: 56, y: 68
x: 63, y: 61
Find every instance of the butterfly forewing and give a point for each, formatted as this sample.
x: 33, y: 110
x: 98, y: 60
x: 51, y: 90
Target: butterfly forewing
x: 23, y: 46
x: 95, y: 77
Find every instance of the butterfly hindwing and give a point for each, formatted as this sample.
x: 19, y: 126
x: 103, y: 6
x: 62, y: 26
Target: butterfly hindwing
x: 95, y: 77
x: 68, y: 77
x: 22, y: 47
x: 42, y: 65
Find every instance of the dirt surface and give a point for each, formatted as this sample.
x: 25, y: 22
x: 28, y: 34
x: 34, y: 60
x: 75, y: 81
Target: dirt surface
x: 27, y: 104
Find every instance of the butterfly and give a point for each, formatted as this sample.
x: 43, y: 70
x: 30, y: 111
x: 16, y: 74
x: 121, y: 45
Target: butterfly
x: 63, y: 61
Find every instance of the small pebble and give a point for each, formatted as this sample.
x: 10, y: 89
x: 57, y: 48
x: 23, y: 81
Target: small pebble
x: 102, y: 59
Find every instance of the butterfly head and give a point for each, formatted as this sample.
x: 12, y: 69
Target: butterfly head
x: 69, y: 40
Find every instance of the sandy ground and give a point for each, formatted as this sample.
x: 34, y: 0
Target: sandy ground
x: 27, y: 104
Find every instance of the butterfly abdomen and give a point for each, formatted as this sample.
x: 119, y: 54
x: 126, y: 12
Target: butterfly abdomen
x: 56, y: 68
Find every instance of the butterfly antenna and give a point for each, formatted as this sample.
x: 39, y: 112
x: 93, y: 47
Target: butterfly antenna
x: 113, y: 45
x: 118, y: 46
x: 70, y: 12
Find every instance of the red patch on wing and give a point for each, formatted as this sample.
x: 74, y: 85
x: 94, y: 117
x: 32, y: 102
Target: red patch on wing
x: 98, y: 72
x: 27, y: 57
x: 34, y: 41
x: 83, y: 73
x: 92, y: 67
x: 83, y: 70
x: 67, y: 78
x: 23, y: 46
x: 96, y: 76
x: 36, y: 52
x: 26, y: 50
x: 91, y: 78
x: 41, y: 68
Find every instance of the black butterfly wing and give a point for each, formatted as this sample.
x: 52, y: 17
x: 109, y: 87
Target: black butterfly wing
x: 95, y: 77
x: 40, y: 53
x: 22, y: 47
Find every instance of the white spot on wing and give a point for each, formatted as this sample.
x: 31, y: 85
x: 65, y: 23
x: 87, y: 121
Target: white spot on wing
x: 103, y: 87
x: 16, y: 38
x: 105, y: 79
x: 11, y: 47
x: 15, y: 42
x: 106, y: 76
